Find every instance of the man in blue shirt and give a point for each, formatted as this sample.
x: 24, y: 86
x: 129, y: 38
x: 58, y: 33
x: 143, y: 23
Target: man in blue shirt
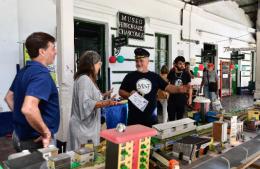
x: 33, y: 96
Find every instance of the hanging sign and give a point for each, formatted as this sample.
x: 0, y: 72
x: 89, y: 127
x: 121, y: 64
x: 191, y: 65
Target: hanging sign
x: 120, y: 41
x: 235, y: 55
x: 131, y: 26
x: 228, y: 49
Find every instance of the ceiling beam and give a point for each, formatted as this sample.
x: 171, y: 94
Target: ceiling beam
x: 250, y: 4
x: 252, y: 13
x: 249, y: 12
x: 203, y: 2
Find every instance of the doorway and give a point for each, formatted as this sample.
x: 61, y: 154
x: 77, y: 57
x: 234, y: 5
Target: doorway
x: 235, y: 77
x: 161, y: 51
x: 209, y: 53
x: 225, y: 79
x: 90, y: 36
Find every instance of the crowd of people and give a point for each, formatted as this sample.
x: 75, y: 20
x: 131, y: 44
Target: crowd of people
x: 33, y: 96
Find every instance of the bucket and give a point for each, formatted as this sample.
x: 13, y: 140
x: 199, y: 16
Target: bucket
x: 202, y: 104
x: 204, y: 108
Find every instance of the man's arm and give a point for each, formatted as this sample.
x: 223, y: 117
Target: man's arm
x: 126, y: 88
x: 125, y: 94
x: 202, y: 84
x: 190, y: 95
x: 191, y: 74
x: 33, y: 116
x: 177, y: 89
x: 9, y: 99
x: 217, y: 92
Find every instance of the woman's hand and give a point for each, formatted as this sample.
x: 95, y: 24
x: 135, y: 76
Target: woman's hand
x: 111, y: 102
x: 108, y: 102
x: 108, y: 93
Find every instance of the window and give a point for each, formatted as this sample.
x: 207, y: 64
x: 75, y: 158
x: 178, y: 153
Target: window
x: 161, y: 51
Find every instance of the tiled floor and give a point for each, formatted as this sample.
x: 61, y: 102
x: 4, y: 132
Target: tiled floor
x: 229, y: 103
x: 237, y: 102
x: 6, y: 148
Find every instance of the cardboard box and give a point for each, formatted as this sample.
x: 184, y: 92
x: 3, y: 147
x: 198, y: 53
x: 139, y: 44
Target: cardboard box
x: 220, y: 131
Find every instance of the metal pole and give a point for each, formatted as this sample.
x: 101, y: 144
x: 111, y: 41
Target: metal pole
x: 257, y: 77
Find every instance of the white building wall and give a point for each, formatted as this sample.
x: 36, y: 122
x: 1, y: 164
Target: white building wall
x: 35, y: 16
x: 18, y: 20
x: 198, y: 24
x: 9, y: 47
x: 228, y: 10
x: 209, y: 28
x: 158, y: 19
x: 65, y: 61
x: 161, y: 16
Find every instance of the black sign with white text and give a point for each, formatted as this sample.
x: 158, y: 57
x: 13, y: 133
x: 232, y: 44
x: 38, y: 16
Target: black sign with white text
x: 131, y: 26
x: 236, y: 56
x: 120, y: 41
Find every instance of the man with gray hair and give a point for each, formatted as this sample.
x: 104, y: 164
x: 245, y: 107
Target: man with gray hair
x: 147, y: 84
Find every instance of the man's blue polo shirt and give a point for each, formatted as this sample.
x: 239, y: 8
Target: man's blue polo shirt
x: 35, y: 80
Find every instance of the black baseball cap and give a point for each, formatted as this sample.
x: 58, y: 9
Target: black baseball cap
x: 141, y: 53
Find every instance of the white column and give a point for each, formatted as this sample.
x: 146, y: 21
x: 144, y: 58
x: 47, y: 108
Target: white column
x: 257, y: 76
x: 65, y: 62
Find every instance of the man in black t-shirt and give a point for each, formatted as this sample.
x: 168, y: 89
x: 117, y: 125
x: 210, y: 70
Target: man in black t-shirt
x: 178, y: 101
x: 146, y: 83
x: 187, y: 68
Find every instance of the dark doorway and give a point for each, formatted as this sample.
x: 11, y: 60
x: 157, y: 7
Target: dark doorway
x: 235, y: 77
x: 90, y: 36
x: 209, y: 53
x: 161, y: 51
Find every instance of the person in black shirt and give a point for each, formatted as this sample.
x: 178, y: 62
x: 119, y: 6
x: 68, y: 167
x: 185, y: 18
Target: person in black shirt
x: 178, y: 101
x: 187, y: 68
x: 146, y: 83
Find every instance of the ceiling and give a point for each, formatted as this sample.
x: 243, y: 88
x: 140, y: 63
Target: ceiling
x: 249, y: 6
